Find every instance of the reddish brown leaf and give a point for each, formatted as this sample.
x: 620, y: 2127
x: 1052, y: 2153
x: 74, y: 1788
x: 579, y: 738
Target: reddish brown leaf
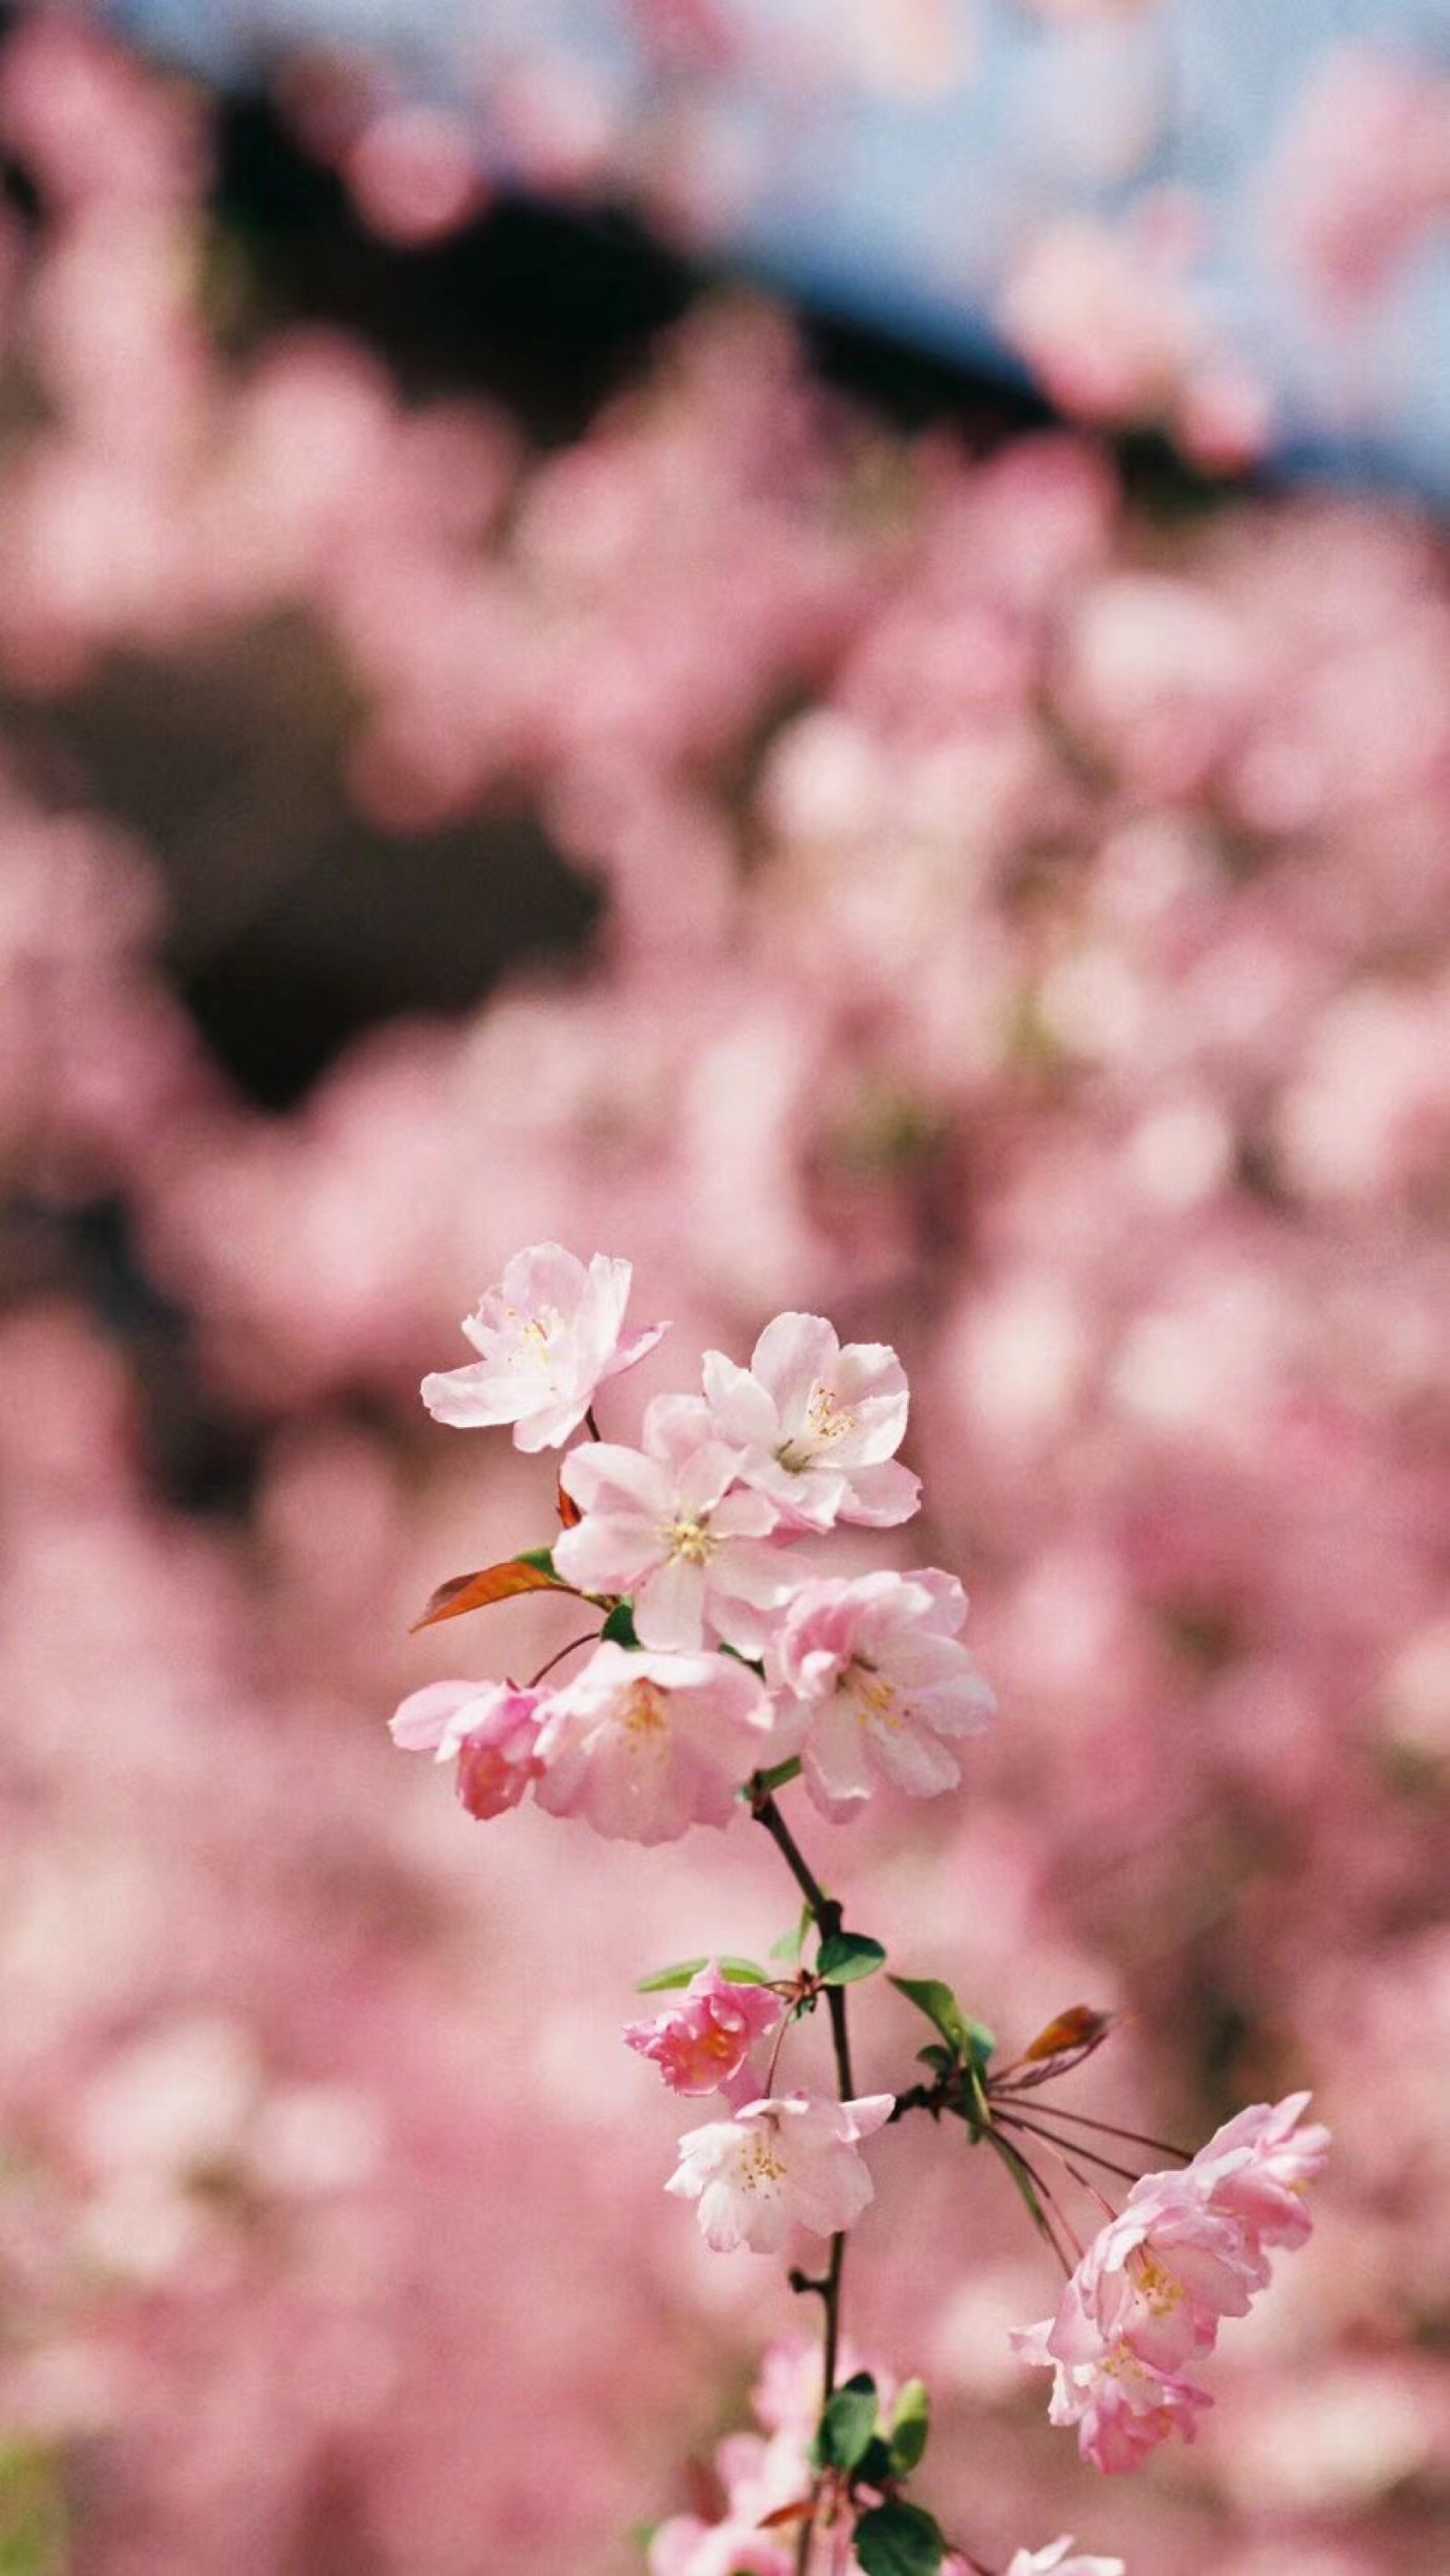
x: 569, y: 1512
x: 475, y: 1591
x: 1079, y: 2027
x: 804, y: 2510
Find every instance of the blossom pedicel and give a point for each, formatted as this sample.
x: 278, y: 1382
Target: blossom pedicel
x: 728, y: 1662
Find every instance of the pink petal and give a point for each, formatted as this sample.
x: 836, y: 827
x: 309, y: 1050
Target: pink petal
x: 419, y: 1723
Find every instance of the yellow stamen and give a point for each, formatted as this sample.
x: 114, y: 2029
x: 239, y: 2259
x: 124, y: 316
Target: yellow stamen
x: 691, y: 1541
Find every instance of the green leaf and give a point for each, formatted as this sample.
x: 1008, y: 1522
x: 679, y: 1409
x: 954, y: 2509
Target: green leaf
x: 618, y: 1628
x: 899, y: 2540
x: 940, y: 2005
x: 540, y: 1557
x: 874, y: 2466
x: 982, y: 2042
x: 782, y: 1773
x: 847, y: 1956
x: 940, y: 2060
x: 791, y: 1944
x: 736, y: 1972
x: 1027, y: 2188
x: 665, y: 1979
x: 968, y: 2039
x: 848, y: 2424
x: 910, y: 2426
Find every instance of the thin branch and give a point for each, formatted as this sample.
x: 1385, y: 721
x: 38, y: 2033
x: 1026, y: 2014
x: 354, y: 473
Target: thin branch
x: 571, y: 1649
x: 826, y: 1914
x: 767, y: 1813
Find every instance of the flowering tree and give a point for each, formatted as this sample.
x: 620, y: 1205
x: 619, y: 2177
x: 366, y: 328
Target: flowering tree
x: 1037, y: 918
x: 726, y: 1666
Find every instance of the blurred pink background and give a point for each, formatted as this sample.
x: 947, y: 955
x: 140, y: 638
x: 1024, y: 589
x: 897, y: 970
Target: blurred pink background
x: 948, y: 882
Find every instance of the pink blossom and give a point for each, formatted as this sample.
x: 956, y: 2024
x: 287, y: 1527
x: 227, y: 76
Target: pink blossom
x: 873, y: 1682
x: 645, y: 1745
x: 492, y: 1730
x: 776, y: 2164
x: 1255, y: 2169
x: 818, y: 1426
x: 1158, y: 2278
x: 668, y: 1524
x: 1186, y: 2251
x: 548, y: 1336
x: 701, y: 2041
x: 1121, y: 2407
x: 1054, y: 2561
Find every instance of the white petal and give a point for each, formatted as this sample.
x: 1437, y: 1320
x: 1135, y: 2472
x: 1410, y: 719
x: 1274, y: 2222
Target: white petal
x: 669, y: 1607
x: 742, y: 1408
x: 791, y: 1354
x: 882, y: 1496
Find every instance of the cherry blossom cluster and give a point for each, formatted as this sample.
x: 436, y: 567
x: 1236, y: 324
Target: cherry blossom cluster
x: 725, y: 1666
x: 1188, y: 2249
x: 705, y: 1530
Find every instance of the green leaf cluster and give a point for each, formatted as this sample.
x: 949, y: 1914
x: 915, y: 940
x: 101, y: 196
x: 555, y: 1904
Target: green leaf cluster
x: 891, y: 2538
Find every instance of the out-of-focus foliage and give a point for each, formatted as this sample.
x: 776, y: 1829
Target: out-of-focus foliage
x: 1024, y: 937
